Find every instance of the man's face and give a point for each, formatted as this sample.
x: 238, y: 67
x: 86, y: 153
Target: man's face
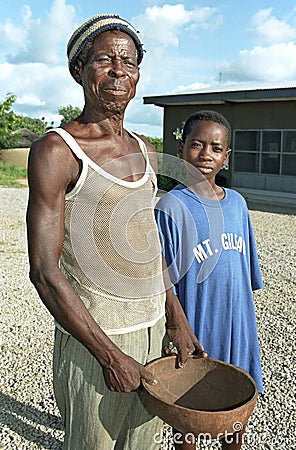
x: 110, y: 74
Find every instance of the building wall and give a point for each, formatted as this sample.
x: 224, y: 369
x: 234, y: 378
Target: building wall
x: 261, y: 115
x: 18, y: 156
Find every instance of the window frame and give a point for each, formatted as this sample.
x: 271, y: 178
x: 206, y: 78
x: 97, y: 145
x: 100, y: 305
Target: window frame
x: 260, y: 152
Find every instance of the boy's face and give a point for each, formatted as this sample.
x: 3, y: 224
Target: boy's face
x: 206, y: 147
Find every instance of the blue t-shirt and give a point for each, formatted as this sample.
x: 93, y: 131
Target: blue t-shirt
x: 210, y: 250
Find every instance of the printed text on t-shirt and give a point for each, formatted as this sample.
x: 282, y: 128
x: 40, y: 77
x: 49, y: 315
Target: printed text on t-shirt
x: 229, y: 241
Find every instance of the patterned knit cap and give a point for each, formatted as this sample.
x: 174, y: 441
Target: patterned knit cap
x: 95, y: 26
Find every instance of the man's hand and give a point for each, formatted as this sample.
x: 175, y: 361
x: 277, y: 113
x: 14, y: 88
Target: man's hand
x: 180, y: 332
x: 125, y: 374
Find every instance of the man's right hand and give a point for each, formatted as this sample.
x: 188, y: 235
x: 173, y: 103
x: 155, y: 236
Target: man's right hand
x: 125, y: 375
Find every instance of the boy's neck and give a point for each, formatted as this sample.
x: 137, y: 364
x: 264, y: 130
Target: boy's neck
x: 207, y: 190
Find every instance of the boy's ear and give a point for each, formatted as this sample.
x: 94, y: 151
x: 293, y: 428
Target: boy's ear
x: 180, y: 148
x: 227, y: 154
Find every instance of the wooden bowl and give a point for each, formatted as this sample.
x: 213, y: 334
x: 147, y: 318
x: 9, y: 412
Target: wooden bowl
x: 206, y: 396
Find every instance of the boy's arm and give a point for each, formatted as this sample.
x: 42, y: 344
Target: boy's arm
x: 178, y: 328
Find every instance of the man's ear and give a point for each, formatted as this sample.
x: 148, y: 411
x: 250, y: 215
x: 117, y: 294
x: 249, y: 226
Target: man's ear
x: 78, y: 70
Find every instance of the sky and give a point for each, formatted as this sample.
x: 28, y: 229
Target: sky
x: 189, y: 46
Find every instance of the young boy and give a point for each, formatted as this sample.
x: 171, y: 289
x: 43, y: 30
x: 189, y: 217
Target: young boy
x: 210, y: 250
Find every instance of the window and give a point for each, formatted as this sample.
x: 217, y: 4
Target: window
x: 247, y: 147
x: 265, y: 151
x: 289, y: 153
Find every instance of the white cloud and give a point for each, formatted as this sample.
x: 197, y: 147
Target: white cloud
x: 273, y: 59
x: 40, y: 89
x: 166, y: 32
x: 191, y: 88
x: 274, y: 63
x: 162, y: 25
x: 12, y: 36
x: 35, y: 64
x: 37, y: 40
x: 268, y: 30
x: 32, y: 99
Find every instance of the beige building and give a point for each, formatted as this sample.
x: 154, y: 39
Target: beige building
x: 263, y: 120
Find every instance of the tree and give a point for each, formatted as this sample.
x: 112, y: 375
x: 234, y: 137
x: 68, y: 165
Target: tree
x: 69, y: 113
x: 8, y: 121
x: 157, y: 142
x: 165, y: 182
x: 38, y: 126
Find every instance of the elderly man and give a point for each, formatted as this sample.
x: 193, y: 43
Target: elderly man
x: 94, y: 252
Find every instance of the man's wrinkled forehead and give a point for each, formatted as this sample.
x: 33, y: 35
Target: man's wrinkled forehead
x: 115, y: 40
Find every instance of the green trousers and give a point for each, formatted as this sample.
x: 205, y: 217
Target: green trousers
x: 94, y: 417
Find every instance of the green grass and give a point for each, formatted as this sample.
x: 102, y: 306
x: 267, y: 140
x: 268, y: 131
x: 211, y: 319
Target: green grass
x: 12, y: 175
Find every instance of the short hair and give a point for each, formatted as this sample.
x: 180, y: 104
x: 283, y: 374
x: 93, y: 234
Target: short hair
x: 206, y: 115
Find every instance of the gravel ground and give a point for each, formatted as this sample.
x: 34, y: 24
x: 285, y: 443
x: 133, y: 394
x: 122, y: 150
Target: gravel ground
x: 28, y: 415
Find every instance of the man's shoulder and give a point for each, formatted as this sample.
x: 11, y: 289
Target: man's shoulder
x: 50, y: 147
x: 50, y: 138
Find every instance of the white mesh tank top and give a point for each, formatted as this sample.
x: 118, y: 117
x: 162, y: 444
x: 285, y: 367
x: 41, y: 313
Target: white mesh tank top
x: 111, y: 252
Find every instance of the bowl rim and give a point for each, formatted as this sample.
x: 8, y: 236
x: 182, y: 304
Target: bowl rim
x: 147, y: 387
